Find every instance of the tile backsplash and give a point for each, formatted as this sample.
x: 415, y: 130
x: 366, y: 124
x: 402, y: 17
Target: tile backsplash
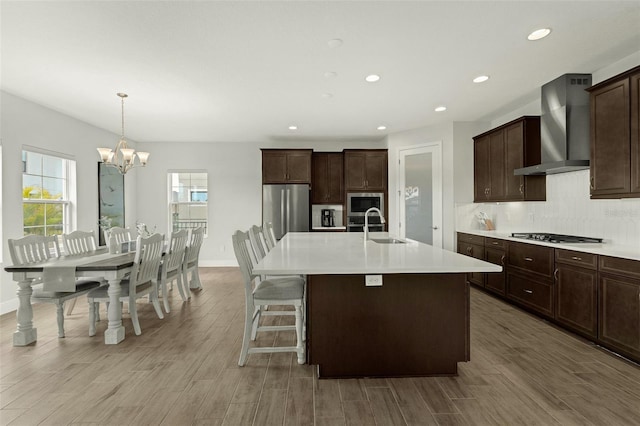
x: 568, y: 210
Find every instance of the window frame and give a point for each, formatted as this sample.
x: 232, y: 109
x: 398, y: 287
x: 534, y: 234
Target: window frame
x: 174, y: 205
x: 67, y: 201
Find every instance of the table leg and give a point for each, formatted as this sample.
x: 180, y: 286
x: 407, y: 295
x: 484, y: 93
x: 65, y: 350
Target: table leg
x: 25, y: 334
x: 115, y: 332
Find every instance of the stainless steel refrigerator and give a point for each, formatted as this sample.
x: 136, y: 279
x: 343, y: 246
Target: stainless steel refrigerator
x: 287, y: 207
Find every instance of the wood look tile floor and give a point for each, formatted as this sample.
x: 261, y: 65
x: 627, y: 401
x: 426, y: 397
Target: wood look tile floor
x: 183, y: 371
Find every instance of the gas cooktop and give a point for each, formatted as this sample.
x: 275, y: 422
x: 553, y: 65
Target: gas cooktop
x: 554, y: 238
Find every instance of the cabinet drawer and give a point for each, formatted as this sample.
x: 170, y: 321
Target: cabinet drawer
x: 577, y: 258
x: 531, y: 258
x: 470, y: 238
x: 615, y: 265
x: 495, y: 243
x: 530, y: 292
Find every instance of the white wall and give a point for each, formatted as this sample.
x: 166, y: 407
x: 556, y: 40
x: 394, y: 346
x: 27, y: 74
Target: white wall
x: 235, y: 186
x: 26, y: 123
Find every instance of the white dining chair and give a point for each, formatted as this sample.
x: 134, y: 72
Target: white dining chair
x: 79, y: 242
x: 190, y: 264
x: 274, y: 291
x: 270, y: 236
x: 37, y: 248
x: 171, y: 267
x: 142, y: 281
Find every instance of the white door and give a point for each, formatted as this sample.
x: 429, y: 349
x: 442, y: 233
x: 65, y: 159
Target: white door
x: 420, y: 193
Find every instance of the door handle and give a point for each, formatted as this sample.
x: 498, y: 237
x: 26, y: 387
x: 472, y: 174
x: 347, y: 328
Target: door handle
x: 502, y: 259
x: 555, y: 274
x: 527, y: 291
x: 592, y: 183
x: 528, y: 259
x: 521, y: 188
x: 435, y: 227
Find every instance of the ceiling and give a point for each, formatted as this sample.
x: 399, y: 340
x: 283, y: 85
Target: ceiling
x: 210, y: 71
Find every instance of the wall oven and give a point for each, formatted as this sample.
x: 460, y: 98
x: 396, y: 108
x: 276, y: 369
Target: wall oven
x: 358, y: 204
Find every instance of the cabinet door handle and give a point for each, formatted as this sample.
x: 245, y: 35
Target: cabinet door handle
x: 576, y: 258
x: 521, y: 189
x: 592, y: 183
x: 470, y: 250
x: 555, y: 274
x: 528, y: 291
x: 528, y: 259
x: 495, y: 243
x: 502, y: 259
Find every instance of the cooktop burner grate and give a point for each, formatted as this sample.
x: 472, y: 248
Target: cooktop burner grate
x: 555, y: 238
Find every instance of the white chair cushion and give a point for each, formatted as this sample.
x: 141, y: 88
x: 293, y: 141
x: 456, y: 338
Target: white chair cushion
x: 288, y: 288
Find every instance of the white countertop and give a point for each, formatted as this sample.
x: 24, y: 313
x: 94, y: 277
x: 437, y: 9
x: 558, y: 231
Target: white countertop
x: 329, y: 228
x: 605, y: 249
x: 319, y: 253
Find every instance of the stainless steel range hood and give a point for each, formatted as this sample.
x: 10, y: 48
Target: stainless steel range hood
x: 564, y: 126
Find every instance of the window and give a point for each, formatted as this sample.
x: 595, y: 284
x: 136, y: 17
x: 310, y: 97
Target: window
x: 46, y: 193
x: 188, y: 200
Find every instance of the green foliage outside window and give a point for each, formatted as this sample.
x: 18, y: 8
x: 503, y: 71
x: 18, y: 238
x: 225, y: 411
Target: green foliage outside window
x: 42, y: 218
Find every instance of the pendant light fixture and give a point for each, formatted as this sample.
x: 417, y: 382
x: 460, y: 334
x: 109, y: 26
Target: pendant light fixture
x: 122, y: 157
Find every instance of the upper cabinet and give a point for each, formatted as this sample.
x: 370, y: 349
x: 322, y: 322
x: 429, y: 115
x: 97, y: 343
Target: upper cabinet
x: 328, y: 178
x: 498, y: 152
x: 615, y: 136
x: 365, y: 170
x: 286, y: 165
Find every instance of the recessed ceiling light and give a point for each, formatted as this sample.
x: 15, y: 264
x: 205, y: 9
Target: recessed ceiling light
x: 382, y: 127
x: 333, y: 43
x: 293, y: 127
x: 372, y: 78
x: 441, y: 108
x: 330, y: 74
x: 538, y: 34
x: 481, y: 79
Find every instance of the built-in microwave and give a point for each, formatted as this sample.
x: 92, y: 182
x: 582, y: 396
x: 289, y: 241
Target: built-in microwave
x: 359, y: 203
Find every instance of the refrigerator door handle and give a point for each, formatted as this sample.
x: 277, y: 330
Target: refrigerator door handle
x: 288, y: 209
x: 282, y: 212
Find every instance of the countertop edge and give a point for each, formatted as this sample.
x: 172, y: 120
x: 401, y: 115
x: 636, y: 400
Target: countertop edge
x: 604, y: 249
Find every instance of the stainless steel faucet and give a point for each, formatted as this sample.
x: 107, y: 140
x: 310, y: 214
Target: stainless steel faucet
x: 366, y: 221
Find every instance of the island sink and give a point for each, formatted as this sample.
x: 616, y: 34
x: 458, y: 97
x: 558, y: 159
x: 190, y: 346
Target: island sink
x: 387, y: 241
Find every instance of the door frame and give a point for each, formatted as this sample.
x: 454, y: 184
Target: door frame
x: 436, y: 149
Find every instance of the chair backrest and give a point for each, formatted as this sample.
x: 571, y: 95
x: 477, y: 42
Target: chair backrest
x: 175, y: 255
x: 269, y: 235
x: 242, y: 248
x: 78, y: 242
x: 121, y: 235
x: 196, y: 237
x: 147, y: 260
x: 257, y: 242
x: 33, y: 248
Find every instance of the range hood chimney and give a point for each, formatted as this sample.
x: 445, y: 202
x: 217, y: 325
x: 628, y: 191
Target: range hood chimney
x: 564, y: 126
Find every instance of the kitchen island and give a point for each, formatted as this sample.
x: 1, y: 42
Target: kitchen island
x: 379, y: 308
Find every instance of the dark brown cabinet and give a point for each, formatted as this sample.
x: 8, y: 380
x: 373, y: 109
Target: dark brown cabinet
x: 498, y: 152
x: 365, y: 170
x: 615, y: 136
x: 286, y: 165
x: 619, y: 310
x: 530, y: 277
x: 576, y: 292
x: 495, y: 251
x: 473, y: 246
x: 327, y: 178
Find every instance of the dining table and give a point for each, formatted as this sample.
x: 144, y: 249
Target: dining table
x: 99, y: 263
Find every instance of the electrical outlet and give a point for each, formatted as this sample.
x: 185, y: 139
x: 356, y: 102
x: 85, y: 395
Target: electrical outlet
x: 373, y: 280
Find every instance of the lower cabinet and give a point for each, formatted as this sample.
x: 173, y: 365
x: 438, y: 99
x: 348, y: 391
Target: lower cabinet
x: 473, y: 246
x: 576, y: 291
x: 531, y: 292
x: 495, y: 252
x: 619, y: 286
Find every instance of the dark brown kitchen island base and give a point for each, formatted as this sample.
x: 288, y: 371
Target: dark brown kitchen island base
x: 412, y: 325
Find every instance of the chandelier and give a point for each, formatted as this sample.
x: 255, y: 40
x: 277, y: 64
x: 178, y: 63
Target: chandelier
x: 122, y: 157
